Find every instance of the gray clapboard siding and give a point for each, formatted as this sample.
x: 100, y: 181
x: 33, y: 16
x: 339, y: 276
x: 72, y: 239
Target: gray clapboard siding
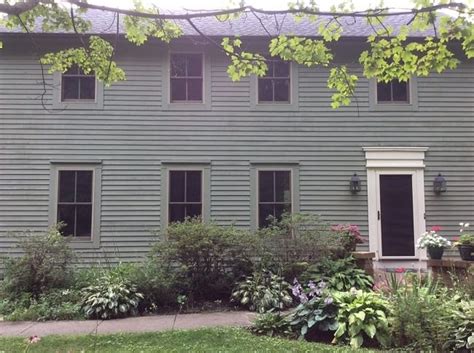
x: 133, y: 134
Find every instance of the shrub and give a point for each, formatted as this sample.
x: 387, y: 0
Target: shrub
x: 296, y: 239
x: 209, y: 259
x: 54, y: 305
x: 341, y: 274
x: 113, y: 296
x: 350, y: 236
x: 272, y: 324
x: 421, y: 314
x: 361, y: 315
x: 316, y: 312
x: 44, y: 265
x: 263, y: 291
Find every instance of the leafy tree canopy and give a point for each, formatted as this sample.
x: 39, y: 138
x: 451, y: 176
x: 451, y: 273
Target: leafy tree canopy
x: 390, y: 54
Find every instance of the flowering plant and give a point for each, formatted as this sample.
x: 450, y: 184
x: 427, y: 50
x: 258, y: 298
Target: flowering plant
x: 465, y: 238
x: 431, y: 239
x: 350, y: 235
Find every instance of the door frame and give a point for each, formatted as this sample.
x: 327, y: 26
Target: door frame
x: 395, y: 160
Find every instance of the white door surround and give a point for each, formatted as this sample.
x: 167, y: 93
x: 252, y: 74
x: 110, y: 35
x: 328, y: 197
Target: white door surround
x: 395, y: 161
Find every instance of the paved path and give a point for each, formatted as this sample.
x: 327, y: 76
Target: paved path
x: 133, y: 324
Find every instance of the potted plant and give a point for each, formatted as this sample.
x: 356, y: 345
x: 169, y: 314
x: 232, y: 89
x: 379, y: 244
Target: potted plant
x: 465, y: 243
x: 433, y: 242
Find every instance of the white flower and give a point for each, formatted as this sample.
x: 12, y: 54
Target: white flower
x: 461, y: 224
x: 466, y: 225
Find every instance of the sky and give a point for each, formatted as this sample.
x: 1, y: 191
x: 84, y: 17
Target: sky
x: 266, y: 4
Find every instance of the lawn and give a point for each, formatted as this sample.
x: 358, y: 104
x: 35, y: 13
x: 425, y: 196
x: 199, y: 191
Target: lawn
x: 204, y: 340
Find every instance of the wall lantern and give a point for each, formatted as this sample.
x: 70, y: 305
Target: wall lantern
x: 439, y: 184
x: 355, y: 184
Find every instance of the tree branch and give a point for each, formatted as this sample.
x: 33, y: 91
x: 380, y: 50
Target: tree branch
x: 19, y: 7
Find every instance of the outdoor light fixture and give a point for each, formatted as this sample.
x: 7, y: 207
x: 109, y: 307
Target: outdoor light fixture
x: 439, y: 184
x: 355, y: 184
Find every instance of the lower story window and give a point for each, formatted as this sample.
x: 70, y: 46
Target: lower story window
x: 75, y: 202
x: 185, y: 195
x: 274, y: 195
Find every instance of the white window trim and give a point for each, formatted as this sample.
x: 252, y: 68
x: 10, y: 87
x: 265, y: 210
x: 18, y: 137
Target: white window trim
x: 206, y: 81
x: 280, y: 106
x: 411, y: 105
x: 86, y: 104
x: 255, y: 168
x: 96, y: 168
x: 205, y: 169
x: 395, y: 160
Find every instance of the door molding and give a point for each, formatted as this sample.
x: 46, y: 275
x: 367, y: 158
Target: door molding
x: 395, y: 160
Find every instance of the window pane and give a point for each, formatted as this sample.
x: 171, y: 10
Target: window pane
x: 194, y: 210
x: 282, y: 186
x: 70, y: 88
x: 270, y: 65
x: 195, y: 89
x: 193, y: 186
x: 66, y: 185
x: 280, y: 209
x: 178, y: 89
x: 282, y: 90
x: 384, y: 92
x: 194, y: 65
x: 264, y: 212
x: 73, y: 70
x: 87, y: 88
x: 84, y: 220
x: 400, y: 91
x: 177, y: 186
x: 178, y: 65
x: 176, y: 213
x: 66, y: 215
x: 84, y: 186
x: 265, y: 90
x: 282, y: 69
x: 265, y: 186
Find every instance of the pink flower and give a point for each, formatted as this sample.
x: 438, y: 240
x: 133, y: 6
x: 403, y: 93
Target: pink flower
x: 400, y: 270
x: 435, y: 228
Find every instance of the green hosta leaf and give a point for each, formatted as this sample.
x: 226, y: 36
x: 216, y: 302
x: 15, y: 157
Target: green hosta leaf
x: 370, y: 330
x: 356, y: 341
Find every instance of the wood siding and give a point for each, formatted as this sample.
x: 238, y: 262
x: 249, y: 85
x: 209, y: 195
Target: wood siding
x: 132, y: 135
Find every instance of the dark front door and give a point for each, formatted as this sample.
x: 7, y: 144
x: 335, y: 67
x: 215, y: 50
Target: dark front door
x: 396, y: 215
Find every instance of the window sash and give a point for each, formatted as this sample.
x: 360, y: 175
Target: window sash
x: 273, y: 78
x: 392, y: 100
x: 185, y: 185
x: 273, y: 204
x: 187, y: 78
x: 80, y: 78
x: 75, y: 205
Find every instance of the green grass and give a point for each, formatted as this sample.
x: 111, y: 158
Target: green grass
x: 218, y: 340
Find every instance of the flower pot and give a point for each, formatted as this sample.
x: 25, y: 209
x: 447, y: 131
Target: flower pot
x: 435, y: 253
x: 465, y: 251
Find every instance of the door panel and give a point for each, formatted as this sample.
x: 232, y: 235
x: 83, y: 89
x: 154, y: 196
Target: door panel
x: 396, y: 214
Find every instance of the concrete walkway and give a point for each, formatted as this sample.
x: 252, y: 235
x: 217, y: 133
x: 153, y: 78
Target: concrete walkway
x: 134, y: 324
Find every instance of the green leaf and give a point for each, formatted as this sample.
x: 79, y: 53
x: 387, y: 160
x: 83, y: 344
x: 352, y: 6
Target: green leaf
x: 356, y: 341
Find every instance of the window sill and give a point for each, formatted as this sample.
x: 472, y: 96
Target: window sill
x: 187, y: 106
x: 393, y: 107
x: 83, y: 243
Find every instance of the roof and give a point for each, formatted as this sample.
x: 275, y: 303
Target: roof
x: 247, y: 25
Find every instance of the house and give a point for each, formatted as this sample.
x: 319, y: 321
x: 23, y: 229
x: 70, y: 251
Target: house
x: 179, y: 138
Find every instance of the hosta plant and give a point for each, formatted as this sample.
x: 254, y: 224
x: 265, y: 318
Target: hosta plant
x: 361, y: 315
x: 112, y: 297
x: 263, y: 291
x: 316, y: 312
x: 272, y: 324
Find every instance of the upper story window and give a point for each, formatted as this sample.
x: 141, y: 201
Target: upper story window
x: 186, y: 81
x: 75, y: 202
x: 275, y: 85
x: 185, y: 195
x: 274, y: 195
x: 393, y: 92
x: 78, y: 86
